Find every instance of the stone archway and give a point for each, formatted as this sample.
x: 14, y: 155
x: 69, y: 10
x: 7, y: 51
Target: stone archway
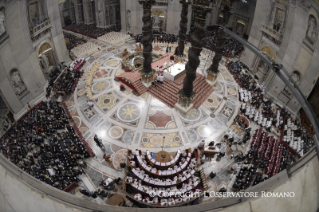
x: 262, y: 69
x: 47, y: 58
x: 159, y: 19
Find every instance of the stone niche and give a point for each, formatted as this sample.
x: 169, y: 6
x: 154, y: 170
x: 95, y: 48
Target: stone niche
x: 18, y: 85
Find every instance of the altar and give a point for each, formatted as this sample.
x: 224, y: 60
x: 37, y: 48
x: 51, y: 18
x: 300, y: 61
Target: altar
x: 175, y: 71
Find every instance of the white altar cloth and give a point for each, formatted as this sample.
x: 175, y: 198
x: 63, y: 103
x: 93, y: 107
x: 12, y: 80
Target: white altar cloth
x: 175, y: 70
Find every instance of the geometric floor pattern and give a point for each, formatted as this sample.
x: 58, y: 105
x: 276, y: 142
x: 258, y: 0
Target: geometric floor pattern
x: 126, y: 121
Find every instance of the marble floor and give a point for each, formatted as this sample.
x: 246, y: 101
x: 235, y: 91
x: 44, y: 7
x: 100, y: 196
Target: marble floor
x: 126, y: 121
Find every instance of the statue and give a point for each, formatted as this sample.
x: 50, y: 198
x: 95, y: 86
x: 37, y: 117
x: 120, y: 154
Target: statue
x: 128, y: 17
x: 17, y: 83
x: 312, y: 32
x: 2, y: 20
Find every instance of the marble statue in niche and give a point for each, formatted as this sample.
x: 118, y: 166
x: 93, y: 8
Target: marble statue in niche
x: 312, y: 30
x: 128, y: 17
x: 18, y: 84
x: 2, y: 21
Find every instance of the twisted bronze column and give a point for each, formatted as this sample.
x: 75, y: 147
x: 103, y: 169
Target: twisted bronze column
x: 212, y: 71
x: 183, y: 27
x: 200, y: 8
x: 147, y: 72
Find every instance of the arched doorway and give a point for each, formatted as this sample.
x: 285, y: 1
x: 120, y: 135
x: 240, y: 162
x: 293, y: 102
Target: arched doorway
x: 159, y: 20
x: 47, y: 59
x: 262, y: 70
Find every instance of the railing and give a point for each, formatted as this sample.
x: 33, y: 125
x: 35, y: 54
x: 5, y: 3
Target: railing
x: 74, y: 201
x: 272, y: 34
x: 41, y: 27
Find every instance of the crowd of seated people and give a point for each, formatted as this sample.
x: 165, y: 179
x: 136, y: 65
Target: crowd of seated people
x: 65, y: 84
x: 43, y: 144
x: 90, y: 30
x: 149, y: 180
x: 72, y: 41
x: 72, y: 71
x: 159, y: 37
x: 231, y: 47
x: 258, y: 108
x: 266, y: 157
x: 85, y: 49
x: 52, y: 77
x: 114, y: 38
x: 267, y: 154
x: 296, y: 136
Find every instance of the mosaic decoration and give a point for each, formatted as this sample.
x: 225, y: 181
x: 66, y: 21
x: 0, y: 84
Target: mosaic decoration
x: 107, y: 101
x: 160, y: 119
x: 129, y: 112
x: 116, y: 132
x: 119, y: 157
x: 100, y: 86
x: 151, y: 140
x: 112, y: 62
x: 192, y: 136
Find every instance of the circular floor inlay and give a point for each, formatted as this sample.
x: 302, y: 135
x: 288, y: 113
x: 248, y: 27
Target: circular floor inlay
x: 77, y: 120
x: 145, y: 139
x: 210, y: 100
x: 129, y: 112
x: 116, y: 132
x: 225, y: 98
x: 112, y: 62
x: 119, y: 157
x: 100, y: 86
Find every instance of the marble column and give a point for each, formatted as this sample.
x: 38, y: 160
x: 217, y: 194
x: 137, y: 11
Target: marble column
x: 187, y: 94
x: 183, y: 27
x: 147, y: 71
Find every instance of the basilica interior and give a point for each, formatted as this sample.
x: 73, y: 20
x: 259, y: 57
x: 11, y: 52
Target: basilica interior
x: 206, y: 105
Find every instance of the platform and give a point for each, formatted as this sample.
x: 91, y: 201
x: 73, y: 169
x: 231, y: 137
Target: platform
x: 175, y: 71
